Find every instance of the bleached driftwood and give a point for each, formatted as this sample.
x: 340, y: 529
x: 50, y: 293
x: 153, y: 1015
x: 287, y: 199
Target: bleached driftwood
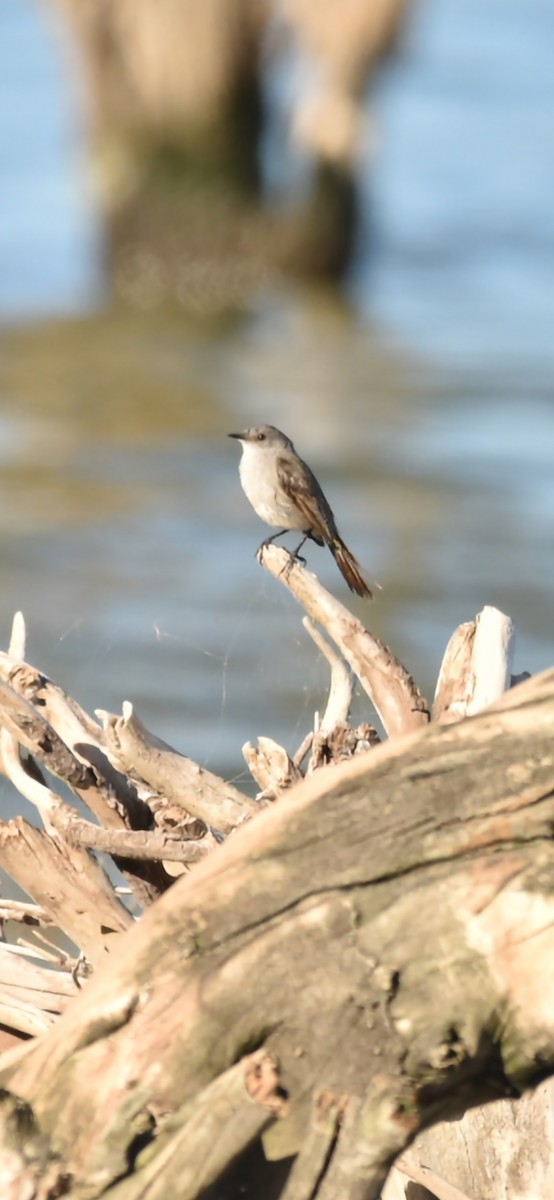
x: 180, y: 780
x: 391, y: 689
x: 128, y: 777
x: 32, y: 997
x: 334, y: 739
x: 339, y: 700
x: 156, y: 806
x: 109, y: 794
x: 25, y: 912
x: 271, y: 766
x: 139, y: 844
x: 476, y: 668
x: 67, y: 882
x: 376, y: 934
x: 414, y: 1172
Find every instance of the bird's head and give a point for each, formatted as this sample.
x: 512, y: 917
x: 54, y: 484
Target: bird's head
x: 264, y: 437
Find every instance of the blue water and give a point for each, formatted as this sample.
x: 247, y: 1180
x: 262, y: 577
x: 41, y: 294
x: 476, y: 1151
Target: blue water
x: 460, y: 211
x: 430, y: 418
x: 457, y: 249
x: 50, y: 234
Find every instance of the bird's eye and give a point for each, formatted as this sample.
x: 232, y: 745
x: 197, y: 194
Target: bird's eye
x: 261, y: 437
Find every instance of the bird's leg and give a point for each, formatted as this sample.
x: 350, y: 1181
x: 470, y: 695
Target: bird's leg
x: 269, y: 540
x: 296, y: 555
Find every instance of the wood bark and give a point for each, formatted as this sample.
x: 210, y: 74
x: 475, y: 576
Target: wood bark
x: 382, y: 938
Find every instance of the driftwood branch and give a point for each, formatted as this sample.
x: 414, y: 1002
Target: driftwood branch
x: 390, y: 687
x: 109, y: 795
x: 122, y: 843
x: 67, y: 882
x: 340, y: 692
x: 65, y: 872
x: 309, y: 1167
x: 196, y: 1144
x: 433, y: 1183
x: 476, y: 669
x: 384, y: 921
x: 180, y: 780
x: 21, y: 910
x: 32, y: 997
x: 271, y: 767
x: 26, y: 697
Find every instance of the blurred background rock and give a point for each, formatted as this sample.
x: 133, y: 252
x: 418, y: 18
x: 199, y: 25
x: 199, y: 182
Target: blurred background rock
x: 337, y: 218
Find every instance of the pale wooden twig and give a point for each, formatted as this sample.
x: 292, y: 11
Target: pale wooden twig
x: 48, y: 989
x: 405, y: 1169
x: 391, y: 689
x: 44, y: 799
x: 18, y: 636
x: 24, y: 1017
x: 305, y: 745
x: 69, y: 884
x: 271, y: 766
x: 183, y: 782
x: 23, y: 911
x: 138, y: 844
x: 104, y: 790
x: 340, y: 692
x: 308, y: 1168
x: 196, y: 1143
x: 66, y: 891
x: 60, y: 723
x: 30, y: 950
x: 33, y: 995
x: 476, y: 668
x: 29, y: 728
x: 333, y: 739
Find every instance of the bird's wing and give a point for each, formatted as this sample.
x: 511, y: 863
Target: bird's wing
x: 303, y: 489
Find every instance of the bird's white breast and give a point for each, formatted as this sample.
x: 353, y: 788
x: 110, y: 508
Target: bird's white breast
x: 260, y: 483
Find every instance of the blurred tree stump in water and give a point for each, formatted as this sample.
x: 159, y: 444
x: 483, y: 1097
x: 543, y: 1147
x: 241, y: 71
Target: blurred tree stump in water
x: 176, y: 100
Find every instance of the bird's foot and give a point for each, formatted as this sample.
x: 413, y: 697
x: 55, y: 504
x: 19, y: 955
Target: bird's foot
x: 292, y: 561
x: 269, y: 541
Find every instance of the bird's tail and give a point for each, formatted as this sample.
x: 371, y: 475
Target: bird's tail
x: 349, y: 568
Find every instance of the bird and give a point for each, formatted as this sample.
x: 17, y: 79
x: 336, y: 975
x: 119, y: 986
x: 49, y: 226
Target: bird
x: 284, y: 492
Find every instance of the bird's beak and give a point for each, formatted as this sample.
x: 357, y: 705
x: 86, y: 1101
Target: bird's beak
x: 238, y: 436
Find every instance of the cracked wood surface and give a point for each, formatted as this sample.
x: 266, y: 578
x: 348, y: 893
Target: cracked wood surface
x: 377, y: 932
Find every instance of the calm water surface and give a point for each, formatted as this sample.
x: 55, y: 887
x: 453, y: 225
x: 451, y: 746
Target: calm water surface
x: 429, y: 416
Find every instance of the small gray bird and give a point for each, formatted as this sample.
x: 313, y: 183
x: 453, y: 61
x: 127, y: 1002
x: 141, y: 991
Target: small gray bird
x: 283, y: 491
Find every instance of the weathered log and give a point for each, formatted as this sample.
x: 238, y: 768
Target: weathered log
x: 385, y: 933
